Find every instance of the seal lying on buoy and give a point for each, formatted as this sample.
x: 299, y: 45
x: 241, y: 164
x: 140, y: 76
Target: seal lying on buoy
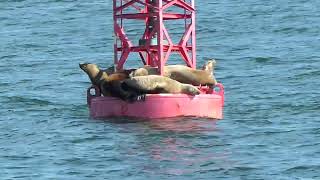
x: 111, y: 70
x: 94, y: 73
x: 153, y: 84
x: 183, y: 74
x: 101, y: 79
x: 118, y: 84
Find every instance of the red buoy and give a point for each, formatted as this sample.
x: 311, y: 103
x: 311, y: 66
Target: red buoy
x: 154, y: 48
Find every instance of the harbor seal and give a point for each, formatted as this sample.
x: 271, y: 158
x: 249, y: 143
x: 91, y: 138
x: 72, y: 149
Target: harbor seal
x: 183, y: 74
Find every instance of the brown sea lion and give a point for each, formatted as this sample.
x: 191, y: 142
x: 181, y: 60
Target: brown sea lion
x: 118, y: 84
x: 111, y: 70
x: 154, y: 84
x: 183, y: 74
x: 95, y: 74
x: 100, y: 78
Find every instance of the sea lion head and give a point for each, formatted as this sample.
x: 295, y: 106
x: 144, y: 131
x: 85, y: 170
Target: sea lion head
x: 209, y: 66
x: 190, y: 89
x: 139, y: 72
x: 93, y: 71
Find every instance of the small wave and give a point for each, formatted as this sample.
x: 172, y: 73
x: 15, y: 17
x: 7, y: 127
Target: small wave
x: 297, y: 108
x: 8, y: 56
x: 17, y: 157
x: 310, y: 74
x: 86, y: 139
x: 311, y: 145
x: 245, y: 168
x: 26, y: 101
x: 33, y: 46
x: 4, y: 84
x: 264, y: 59
x: 288, y: 30
x: 303, y: 168
x: 68, y: 111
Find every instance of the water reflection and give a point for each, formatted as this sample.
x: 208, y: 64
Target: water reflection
x: 175, y: 146
x: 183, y: 124
x: 186, y: 145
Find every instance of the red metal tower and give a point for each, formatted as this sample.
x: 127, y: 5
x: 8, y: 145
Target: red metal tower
x: 156, y: 45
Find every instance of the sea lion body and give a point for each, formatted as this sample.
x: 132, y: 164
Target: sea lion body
x: 111, y: 70
x: 108, y: 84
x: 129, y: 89
x: 153, y: 84
x: 182, y: 73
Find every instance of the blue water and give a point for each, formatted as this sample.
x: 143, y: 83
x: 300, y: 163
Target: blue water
x: 268, y: 56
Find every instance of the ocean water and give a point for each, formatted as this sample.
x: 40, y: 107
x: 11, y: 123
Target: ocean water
x: 268, y: 58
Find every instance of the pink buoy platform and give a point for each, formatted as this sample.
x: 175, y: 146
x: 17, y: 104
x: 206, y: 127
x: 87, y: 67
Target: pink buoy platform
x: 209, y: 104
x: 154, y: 48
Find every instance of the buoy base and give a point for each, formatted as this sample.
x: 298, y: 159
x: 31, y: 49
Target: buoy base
x: 209, y: 104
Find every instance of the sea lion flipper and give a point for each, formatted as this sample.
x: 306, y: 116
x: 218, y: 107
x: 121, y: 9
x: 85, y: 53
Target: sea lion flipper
x: 132, y: 96
x: 140, y: 97
x: 189, y: 89
x: 128, y: 92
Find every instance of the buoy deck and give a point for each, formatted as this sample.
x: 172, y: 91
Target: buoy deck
x: 209, y: 104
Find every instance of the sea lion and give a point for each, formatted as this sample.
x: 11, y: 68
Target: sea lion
x: 95, y: 74
x: 111, y: 70
x: 183, y: 74
x: 154, y: 84
x: 100, y: 78
x: 118, y: 84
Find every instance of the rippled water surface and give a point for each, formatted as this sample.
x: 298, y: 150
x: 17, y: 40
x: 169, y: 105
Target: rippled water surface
x: 268, y: 60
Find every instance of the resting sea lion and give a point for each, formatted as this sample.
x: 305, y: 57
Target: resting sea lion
x: 183, y: 74
x: 95, y: 74
x: 108, y: 84
x: 117, y: 84
x: 153, y: 84
x: 111, y: 70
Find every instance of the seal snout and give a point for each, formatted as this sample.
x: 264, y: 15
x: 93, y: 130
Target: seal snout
x: 83, y: 65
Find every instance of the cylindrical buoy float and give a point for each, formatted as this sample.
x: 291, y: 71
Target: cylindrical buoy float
x: 154, y: 49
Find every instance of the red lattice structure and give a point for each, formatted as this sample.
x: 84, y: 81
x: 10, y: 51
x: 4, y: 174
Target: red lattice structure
x: 156, y: 44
